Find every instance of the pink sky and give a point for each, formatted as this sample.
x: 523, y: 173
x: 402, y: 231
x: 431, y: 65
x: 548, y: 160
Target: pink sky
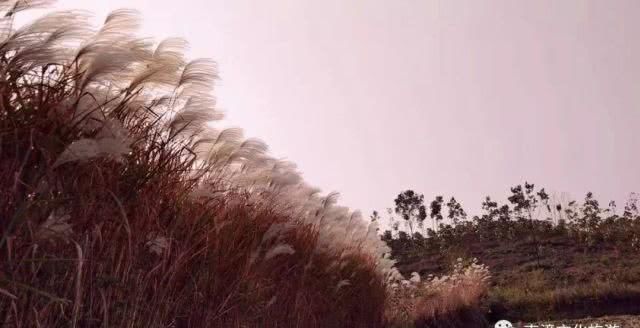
x: 463, y: 98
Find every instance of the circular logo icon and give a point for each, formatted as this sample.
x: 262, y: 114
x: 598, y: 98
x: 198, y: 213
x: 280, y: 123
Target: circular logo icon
x: 503, y: 324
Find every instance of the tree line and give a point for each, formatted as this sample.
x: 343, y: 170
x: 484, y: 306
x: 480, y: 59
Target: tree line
x: 530, y: 213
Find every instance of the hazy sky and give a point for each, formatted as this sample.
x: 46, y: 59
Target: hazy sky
x: 462, y: 98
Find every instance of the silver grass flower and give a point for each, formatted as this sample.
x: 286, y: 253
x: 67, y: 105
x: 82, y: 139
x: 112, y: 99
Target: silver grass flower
x: 281, y: 249
x: 56, y: 226
x: 113, y: 64
x: 112, y: 142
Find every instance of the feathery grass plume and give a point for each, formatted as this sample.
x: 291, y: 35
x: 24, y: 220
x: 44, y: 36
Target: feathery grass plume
x: 279, y: 250
x: 453, y: 300
x: 166, y: 220
x: 55, y: 227
x: 112, y: 140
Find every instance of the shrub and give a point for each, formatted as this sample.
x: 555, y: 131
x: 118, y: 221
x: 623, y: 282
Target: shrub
x: 454, y: 300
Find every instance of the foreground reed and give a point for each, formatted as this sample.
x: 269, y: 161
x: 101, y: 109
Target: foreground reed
x: 120, y: 205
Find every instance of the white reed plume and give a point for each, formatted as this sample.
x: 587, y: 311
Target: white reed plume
x: 110, y: 75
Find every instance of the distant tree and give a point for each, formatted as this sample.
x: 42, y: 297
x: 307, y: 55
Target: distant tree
x: 506, y: 227
x: 544, y: 200
x: 375, y: 218
x: 525, y: 201
x: 631, y: 207
x: 590, y: 219
x: 612, y: 207
x: 483, y: 223
x: 494, y: 222
x: 436, y: 211
x: 387, y: 236
x: 530, y: 215
x: 456, y: 212
x: 410, y: 206
x: 490, y: 208
x: 611, y: 223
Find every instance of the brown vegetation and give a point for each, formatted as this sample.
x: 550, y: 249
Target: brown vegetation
x: 453, y: 300
x: 574, y: 261
x: 120, y: 207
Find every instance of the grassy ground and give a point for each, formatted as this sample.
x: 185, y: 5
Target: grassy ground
x: 565, y: 280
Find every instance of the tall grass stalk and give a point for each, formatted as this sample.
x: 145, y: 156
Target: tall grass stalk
x: 121, y: 207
